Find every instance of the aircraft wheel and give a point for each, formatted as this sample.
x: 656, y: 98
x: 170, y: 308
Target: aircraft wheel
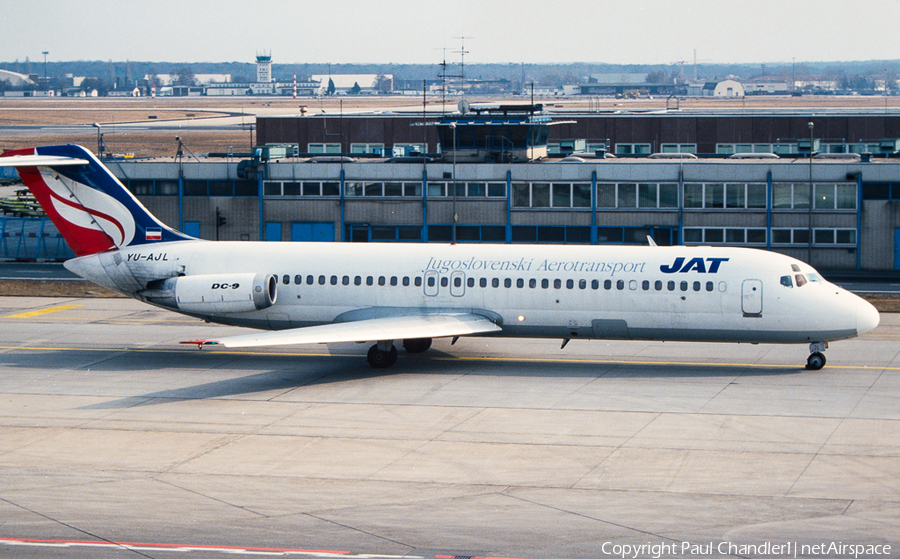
x: 381, y: 359
x: 815, y: 361
x: 417, y: 345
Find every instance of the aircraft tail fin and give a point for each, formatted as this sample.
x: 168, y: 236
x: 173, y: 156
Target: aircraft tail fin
x: 93, y: 211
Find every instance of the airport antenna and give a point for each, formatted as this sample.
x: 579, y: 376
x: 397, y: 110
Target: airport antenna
x: 462, y: 64
x: 179, y: 154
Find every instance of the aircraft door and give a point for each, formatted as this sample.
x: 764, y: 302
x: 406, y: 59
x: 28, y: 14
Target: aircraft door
x: 751, y: 298
x: 458, y: 284
x: 432, y: 283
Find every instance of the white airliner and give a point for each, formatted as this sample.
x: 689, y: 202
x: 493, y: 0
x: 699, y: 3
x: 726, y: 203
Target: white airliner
x: 304, y: 293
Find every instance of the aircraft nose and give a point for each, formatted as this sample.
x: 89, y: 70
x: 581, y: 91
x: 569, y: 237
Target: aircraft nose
x: 867, y: 317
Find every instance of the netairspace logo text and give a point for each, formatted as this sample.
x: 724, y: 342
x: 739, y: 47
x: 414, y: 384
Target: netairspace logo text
x: 784, y: 549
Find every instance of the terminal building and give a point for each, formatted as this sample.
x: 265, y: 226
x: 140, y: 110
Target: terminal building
x: 496, y: 174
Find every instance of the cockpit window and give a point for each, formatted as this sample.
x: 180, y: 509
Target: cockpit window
x: 814, y: 277
x: 795, y: 267
x: 801, y: 280
x: 786, y: 281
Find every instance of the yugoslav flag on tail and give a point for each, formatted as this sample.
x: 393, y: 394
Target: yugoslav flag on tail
x: 93, y: 211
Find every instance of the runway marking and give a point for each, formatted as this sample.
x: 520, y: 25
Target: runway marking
x: 462, y: 358
x: 179, y: 548
x: 39, y: 312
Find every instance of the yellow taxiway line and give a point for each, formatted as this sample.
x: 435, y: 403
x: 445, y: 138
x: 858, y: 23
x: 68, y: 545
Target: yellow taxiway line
x: 39, y: 312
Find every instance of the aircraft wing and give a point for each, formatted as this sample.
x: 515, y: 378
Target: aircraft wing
x: 374, y: 329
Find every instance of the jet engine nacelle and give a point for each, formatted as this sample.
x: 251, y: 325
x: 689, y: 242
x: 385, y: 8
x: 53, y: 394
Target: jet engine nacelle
x: 214, y: 293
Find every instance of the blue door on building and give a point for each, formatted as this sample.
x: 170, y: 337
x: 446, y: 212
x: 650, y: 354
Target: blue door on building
x: 306, y: 231
x: 273, y: 230
x: 897, y: 248
x: 192, y: 228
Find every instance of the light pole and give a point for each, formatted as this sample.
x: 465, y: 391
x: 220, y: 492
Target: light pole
x: 99, y: 140
x: 453, y: 227
x: 811, y: 126
x: 46, y: 79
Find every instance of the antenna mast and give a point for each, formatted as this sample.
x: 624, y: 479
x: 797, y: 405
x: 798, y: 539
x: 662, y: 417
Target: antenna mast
x: 462, y: 64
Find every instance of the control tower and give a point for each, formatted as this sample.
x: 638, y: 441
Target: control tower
x: 264, y: 68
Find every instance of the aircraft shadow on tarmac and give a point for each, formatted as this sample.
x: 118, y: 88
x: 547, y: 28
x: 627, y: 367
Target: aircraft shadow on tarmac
x: 289, y: 372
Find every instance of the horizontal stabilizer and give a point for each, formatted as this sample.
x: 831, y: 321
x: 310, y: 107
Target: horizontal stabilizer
x: 390, y: 328
x: 40, y: 161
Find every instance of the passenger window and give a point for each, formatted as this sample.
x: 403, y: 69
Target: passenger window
x: 457, y: 282
x: 620, y: 285
x: 470, y: 282
x: 520, y: 283
x: 444, y: 282
x: 582, y: 284
x: 710, y: 286
x: 801, y: 280
x: 570, y: 284
x: 309, y: 280
x: 632, y: 285
x: 607, y: 284
x: 381, y: 280
x: 722, y: 286
x: 345, y: 280
x: 671, y: 286
x: 370, y: 280
x: 557, y: 284
x: 545, y: 284
x: 431, y: 281
x: 418, y: 281
x: 658, y: 285
x: 321, y: 280
x: 786, y: 281
x: 645, y: 285
x: 507, y: 283
x: 393, y: 281
x: 298, y: 280
x: 595, y: 284
x: 357, y: 280
x: 482, y: 282
x: 334, y: 280
x: 495, y: 283
x: 286, y: 279
x: 405, y: 281
x: 684, y: 286
x: 532, y: 283
x: 696, y: 286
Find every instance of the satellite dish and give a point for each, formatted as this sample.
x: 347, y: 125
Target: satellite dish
x: 463, y: 107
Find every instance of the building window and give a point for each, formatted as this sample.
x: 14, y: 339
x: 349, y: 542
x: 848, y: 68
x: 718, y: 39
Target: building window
x: 729, y: 149
x: 796, y: 196
x: 374, y: 149
x: 401, y: 150
x: 725, y: 235
x: 323, y: 148
x: 633, y: 149
x: 403, y: 233
x: 678, y: 148
x: 727, y: 196
x: 821, y: 237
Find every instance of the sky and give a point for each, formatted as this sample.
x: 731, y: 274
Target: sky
x: 427, y: 31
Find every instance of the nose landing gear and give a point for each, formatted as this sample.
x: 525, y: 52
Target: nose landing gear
x: 816, y: 359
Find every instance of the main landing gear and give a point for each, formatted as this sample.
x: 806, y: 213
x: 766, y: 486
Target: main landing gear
x: 816, y: 359
x: 380, y: 357
x: 384, y: 354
